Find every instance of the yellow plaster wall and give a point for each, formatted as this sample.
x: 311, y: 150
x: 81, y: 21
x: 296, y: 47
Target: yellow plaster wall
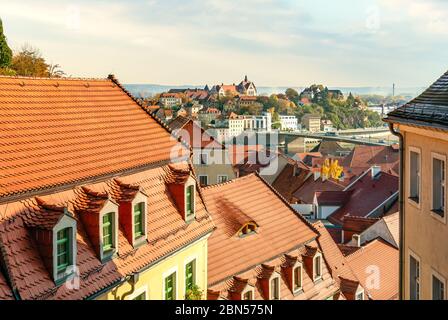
x: 152, y: 280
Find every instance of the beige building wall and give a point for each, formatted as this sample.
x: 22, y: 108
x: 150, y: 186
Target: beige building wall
x: 218, y: 165
x: 426, y: 234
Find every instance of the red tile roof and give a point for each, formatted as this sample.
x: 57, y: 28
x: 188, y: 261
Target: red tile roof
x: 291, y: 178
x: 5, y: 290
x: 59, y: 131
x: 367, y: 194
x: 167, y: 232
x: 305, y: 194
x: 377, y: 258
x: 332, y: 197
x: 338, y: 265
x: 193, y: 134
x: 280, y: 229
x: 364, y: 157
x: 79, y: 142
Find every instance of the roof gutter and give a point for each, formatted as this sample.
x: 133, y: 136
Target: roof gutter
x: 401, y: 210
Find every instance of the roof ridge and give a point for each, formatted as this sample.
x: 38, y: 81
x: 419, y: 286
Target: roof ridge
x: 53, y: 78
x: 288, y: 204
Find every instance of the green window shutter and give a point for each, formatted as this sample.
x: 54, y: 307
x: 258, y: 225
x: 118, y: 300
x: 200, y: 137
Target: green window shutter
x: 63, y: 249
x: 141, y: 296
x: 189, y: 275
x: 107, y: 231
x: 138, y: 220
x: 190, y: 200
x: 169, y: 287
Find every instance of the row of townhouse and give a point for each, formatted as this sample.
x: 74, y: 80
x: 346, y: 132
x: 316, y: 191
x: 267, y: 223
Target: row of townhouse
x: 100, y: 200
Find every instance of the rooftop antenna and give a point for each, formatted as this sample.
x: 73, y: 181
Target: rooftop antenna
x: 393, y: 90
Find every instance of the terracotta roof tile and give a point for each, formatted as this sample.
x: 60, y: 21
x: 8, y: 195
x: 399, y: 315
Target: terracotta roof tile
x: 167, y: 232
x: 280, y: 229
x: 5, y: 290
x: 377, y: 254
x: 56, y: 131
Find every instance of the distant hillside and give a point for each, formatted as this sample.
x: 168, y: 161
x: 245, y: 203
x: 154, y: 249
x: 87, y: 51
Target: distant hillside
x: 151, y: 89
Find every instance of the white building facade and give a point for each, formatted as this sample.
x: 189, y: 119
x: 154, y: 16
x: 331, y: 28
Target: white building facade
x: 288, y: 122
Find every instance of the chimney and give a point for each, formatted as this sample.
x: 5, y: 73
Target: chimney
x: 375, y: 170
x: 356, y: 240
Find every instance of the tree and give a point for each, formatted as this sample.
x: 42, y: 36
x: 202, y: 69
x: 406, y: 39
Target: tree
x: 194, y: 293
x: 292, y: 95
x: 30, y: 63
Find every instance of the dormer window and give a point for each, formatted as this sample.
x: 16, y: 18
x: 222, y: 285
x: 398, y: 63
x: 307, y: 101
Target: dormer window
x: 247, y: 229
x: 190, y: 200
x: 297, y: 278
x: 317, y: 267
x: 248, y: 295
x: 108, y: 232
x: 274, y: 288
x: 139, y: 211
x: 63, y: 255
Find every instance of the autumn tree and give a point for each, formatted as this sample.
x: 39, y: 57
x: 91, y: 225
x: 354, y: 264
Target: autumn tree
x: 30, y: 63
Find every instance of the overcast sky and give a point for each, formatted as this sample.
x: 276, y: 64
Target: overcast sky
x: 274, y: 42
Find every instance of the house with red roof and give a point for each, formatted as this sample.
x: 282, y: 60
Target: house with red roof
x: 211, y: 159
x: 97, y: 199
x: 261, y: 248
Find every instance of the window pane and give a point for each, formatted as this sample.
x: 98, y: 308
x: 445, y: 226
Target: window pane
x: 414, y: 281
x: 248, y: 295
x: 189, y: 275
x: 141, y: 296
x: 190, y: 200
x: 297, y: 278
x: 415, y: 176
x: 169, y: 287
x: 438, y: 186
x: 438, y: 289
x: 63, y: 250
x: 138, y: 220
x: 107, y: 231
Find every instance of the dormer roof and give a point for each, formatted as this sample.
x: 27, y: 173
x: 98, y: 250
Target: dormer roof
x: 44, y: 215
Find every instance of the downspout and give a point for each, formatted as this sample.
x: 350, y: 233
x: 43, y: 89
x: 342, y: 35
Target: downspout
x: 401, y: 210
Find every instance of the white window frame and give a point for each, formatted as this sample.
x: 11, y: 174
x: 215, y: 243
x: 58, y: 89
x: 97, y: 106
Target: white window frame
x: 417, y: 258
x: 201, y: 176
x: 248, y: 288
x: 203, y: 155
x: 436, y: 216
x: 109, y: 207
x: 139, y: 291
x: 195, y: 271
x: 275, y: 276
x: 439, y: 277
x: 139, y: 198
x: 300, y: 289
x: 315, y: 277
x: 165, y: 275
x: 408, y: 176
x: 222, y: 175
x: 359, y: 292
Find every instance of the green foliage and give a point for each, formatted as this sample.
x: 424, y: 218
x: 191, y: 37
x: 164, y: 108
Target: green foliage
x: 5, y: 51
x: 344, y: 114
x: 30, y: 63
x: 292, y: 95
x: 195, y: 293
